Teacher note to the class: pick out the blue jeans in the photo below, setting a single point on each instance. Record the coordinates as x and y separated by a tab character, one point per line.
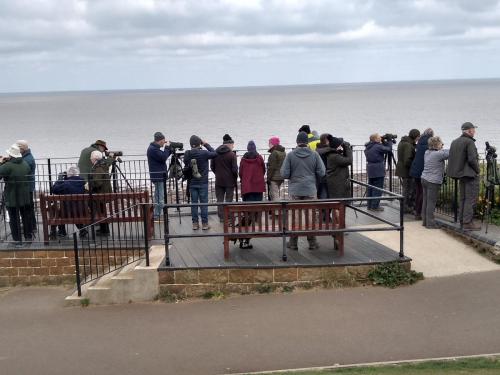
377	182
159	198
199	194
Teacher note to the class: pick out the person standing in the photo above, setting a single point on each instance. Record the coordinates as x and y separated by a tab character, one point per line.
84	163
406	154
196	161
15	172
463	164
28	158
100	183
432	178
417	166
375	151
158	152
303	168
312	139
225	168
277	155
323	149
337	168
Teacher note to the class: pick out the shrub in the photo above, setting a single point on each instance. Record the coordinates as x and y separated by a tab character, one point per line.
393	274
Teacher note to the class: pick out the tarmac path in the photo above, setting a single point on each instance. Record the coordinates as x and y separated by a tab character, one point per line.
438	317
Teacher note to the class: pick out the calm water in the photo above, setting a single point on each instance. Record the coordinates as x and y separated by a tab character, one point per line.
61	124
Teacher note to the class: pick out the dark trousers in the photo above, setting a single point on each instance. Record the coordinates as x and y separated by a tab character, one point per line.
409	194
15	223
467	200
430	193
377	182
32	209
223	194
418	196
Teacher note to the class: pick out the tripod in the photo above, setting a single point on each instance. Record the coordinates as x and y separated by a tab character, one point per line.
492	180
115	169
175	173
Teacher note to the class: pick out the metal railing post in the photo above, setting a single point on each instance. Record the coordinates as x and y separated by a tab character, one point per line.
49	171
455	200
77	265
146	234
284	217
401	230
166	230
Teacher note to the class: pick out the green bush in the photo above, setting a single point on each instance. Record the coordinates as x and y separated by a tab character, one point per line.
393	274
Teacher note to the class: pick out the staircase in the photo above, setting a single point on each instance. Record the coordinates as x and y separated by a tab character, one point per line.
133	283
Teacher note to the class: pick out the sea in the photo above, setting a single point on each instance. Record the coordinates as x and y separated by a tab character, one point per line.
60	124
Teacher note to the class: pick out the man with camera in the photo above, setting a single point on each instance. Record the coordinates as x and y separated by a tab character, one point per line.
406	154
158	153
375	152
100	183
463	164
84	163
15	172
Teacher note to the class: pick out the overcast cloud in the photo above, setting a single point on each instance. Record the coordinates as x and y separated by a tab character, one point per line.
110	44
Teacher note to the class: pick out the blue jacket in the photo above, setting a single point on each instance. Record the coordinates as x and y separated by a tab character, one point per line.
72	185
157	162
417	166
28	158
375	153
202	157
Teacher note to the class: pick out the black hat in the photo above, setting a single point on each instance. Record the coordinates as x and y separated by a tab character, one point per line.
159	136
305	128
414	133
468	125
195	141
302	138
335	142
227	139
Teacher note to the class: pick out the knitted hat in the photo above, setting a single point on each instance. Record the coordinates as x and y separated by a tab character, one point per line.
335	142
414	133
159	136
195	141
302	138
227	139
251	147
305	128
274	141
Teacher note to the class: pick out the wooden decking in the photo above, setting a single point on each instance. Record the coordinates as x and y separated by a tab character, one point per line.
207	252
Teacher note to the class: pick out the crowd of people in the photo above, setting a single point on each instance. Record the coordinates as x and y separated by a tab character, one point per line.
317	168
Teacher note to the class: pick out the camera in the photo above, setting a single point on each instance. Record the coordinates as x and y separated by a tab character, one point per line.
113	154
62	176
176	146
491	151
388	137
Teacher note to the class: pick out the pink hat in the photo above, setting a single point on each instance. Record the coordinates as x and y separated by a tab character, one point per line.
274	141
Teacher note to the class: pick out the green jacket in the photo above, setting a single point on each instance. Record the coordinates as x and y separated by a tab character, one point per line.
276	157
84	163
406	154
100	179
464	159
16	174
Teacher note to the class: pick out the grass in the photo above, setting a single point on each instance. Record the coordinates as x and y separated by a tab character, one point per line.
393	274
473	366
84	302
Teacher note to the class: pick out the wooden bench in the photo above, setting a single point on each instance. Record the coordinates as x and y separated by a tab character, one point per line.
77	209
266	220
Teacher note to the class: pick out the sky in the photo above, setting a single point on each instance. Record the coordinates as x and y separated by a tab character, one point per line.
54	45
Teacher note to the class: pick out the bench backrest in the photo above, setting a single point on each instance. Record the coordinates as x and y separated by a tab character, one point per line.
255	218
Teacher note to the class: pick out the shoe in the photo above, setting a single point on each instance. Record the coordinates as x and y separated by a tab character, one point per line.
18	245
196	226
379	209
83	234
292	245
313	245
205	226
471	226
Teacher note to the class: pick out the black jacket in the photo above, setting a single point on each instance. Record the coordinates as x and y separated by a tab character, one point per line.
225	167
464	159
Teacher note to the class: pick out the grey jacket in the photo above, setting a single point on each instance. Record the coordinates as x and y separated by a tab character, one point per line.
434	165
303	167
464	160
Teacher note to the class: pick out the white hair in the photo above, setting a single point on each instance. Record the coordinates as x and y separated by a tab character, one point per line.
22	144
96	155
73	171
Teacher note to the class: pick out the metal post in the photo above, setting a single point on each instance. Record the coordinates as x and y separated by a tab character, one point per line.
455	200
401	224
284	216
166	229
77	265
49	170
146	234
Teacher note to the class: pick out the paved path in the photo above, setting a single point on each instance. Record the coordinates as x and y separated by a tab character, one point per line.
438	317
435	252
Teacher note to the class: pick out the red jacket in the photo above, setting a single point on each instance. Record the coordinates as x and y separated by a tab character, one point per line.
252	171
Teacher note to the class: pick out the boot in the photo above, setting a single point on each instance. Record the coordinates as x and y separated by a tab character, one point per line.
292	244
313	243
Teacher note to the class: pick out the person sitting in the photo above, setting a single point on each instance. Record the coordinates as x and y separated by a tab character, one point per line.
375	152
69	183
432	178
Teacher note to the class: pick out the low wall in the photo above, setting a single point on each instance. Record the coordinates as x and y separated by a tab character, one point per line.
197	282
